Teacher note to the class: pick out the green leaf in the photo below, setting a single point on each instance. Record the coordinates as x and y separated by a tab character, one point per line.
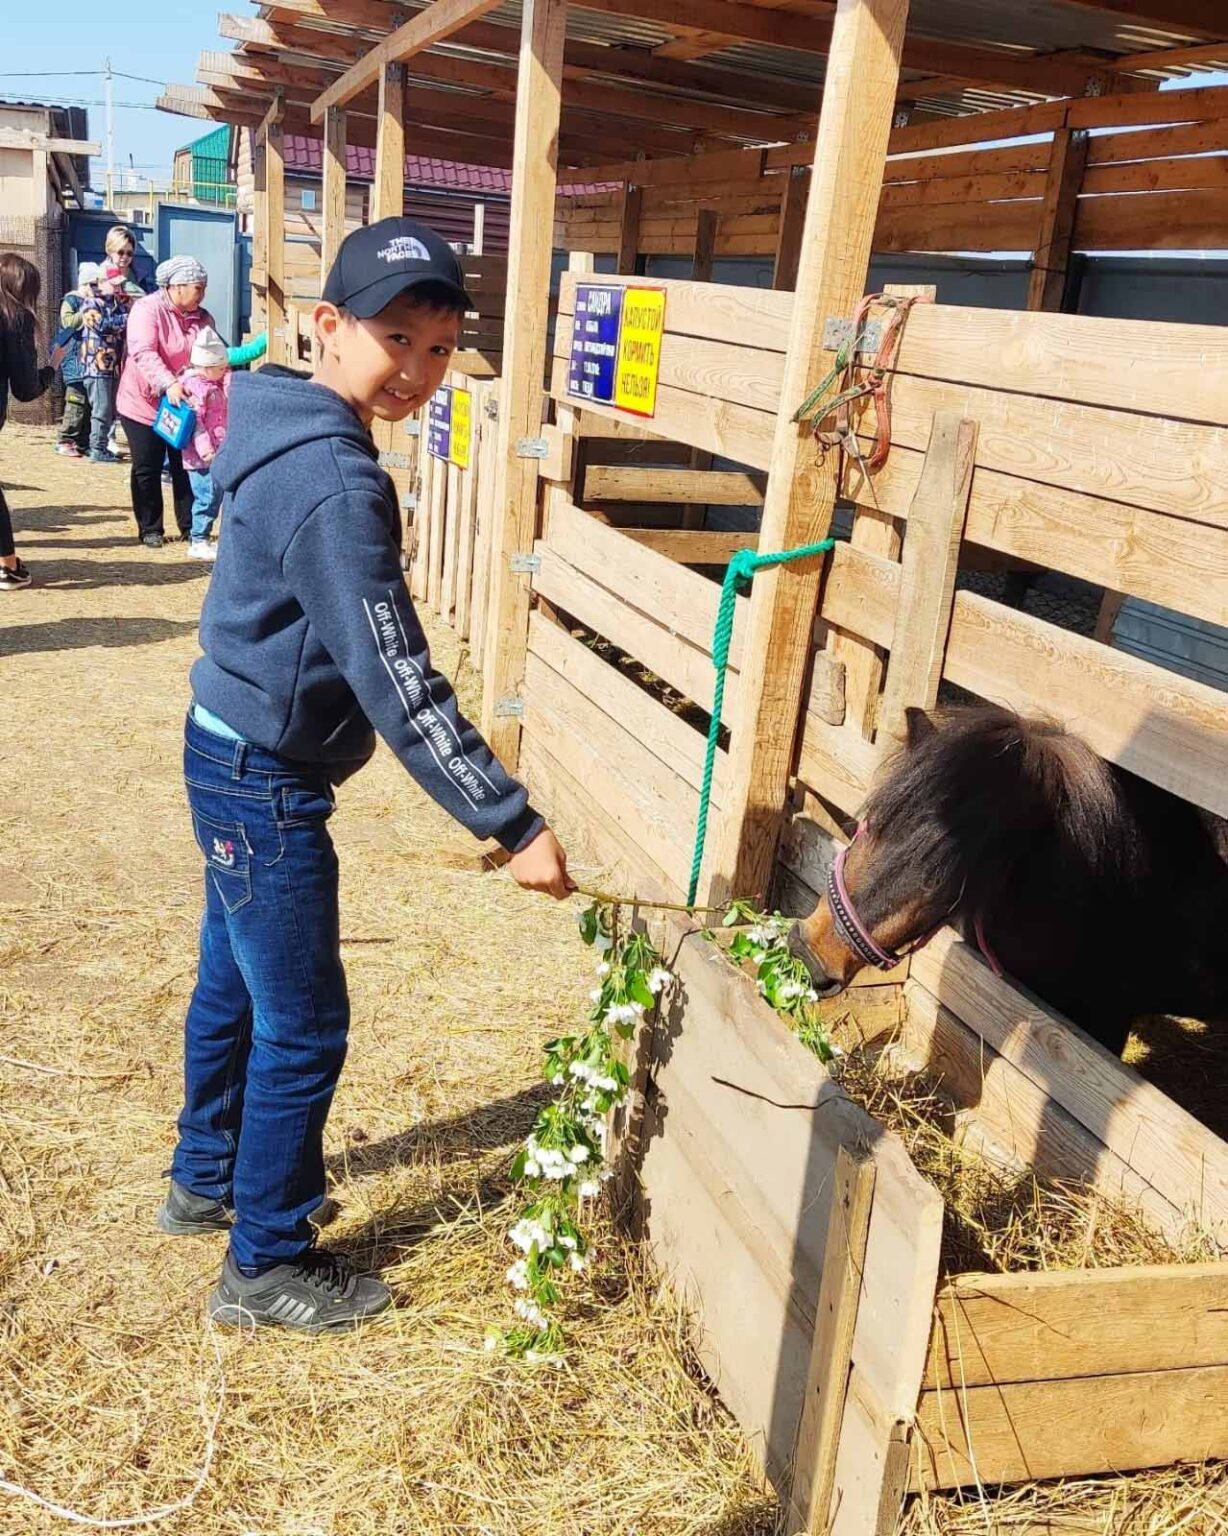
589	926
639	992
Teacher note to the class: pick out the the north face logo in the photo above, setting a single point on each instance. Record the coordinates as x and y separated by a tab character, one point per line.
404	248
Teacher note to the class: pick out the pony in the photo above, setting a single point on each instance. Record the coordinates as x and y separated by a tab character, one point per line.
1101	893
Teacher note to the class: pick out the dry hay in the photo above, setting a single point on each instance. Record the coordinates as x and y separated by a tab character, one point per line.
456	977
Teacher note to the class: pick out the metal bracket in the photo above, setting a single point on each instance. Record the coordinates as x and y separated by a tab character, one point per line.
490	409
838	333
409	502
532	447
509	707
525	565
394	460
413	427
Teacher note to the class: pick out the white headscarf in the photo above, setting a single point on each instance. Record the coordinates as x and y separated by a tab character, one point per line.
180	269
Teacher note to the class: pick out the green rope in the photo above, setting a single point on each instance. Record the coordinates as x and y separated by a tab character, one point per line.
738	577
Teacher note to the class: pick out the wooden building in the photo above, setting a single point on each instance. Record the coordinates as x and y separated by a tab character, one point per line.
44	170
818	132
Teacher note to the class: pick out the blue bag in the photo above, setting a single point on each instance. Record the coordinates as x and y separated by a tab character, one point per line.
174	423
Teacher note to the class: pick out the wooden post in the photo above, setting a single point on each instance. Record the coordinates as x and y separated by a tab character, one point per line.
863	70
525	340
629	227
275	215
701	272
927	578
1051	259
388	192
260	237
792	218
334	190
479	228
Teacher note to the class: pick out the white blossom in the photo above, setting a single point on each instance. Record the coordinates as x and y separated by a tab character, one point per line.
595	994
531	1312
589	1190
532	1168
577	1154
624	1013
603	968
518	1275
659	978
577	1261
567	1241
491	1343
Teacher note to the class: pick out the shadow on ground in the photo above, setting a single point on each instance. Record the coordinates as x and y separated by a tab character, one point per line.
79	634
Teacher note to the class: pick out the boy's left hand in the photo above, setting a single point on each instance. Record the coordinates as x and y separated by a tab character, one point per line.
542	866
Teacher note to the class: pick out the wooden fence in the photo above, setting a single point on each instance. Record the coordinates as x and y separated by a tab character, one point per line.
1161	187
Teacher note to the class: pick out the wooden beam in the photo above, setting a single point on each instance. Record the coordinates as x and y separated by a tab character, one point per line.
1172	58
281	349
388	191
14	138
1193	18
525	344
850	152
333	190
629	227
1051	259
792	217
437	22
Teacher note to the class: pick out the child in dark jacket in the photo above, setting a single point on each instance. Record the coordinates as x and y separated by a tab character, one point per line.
105	317
20	373
311	645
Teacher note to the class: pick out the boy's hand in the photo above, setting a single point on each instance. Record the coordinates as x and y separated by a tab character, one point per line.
542	866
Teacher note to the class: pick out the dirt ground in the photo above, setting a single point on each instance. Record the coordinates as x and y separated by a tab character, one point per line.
107	1377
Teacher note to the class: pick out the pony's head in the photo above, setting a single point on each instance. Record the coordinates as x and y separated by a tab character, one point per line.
978	805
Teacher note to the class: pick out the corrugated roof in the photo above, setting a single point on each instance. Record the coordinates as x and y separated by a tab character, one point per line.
305	155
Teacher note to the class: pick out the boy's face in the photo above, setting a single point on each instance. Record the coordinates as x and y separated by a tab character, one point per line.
389	366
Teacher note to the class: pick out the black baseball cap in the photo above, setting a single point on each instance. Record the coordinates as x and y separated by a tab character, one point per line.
380	261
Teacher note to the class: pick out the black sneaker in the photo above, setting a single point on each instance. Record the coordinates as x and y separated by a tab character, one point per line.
185	1214
13	580
316	1293
152	540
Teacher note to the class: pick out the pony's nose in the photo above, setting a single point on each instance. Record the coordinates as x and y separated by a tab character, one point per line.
824	984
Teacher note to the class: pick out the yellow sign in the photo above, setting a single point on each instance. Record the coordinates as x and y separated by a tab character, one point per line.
639	350
462	428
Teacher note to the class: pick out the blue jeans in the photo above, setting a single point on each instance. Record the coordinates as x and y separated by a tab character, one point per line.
206	499
265	1035
101	392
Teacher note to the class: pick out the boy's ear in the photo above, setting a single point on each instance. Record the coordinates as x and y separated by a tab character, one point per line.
328	320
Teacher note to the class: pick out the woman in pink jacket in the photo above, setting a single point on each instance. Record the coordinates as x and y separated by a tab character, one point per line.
161	330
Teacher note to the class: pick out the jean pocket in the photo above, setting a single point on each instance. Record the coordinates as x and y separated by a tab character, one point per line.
227	858
297	805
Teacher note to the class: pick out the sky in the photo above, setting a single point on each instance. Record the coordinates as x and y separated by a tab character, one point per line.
158	41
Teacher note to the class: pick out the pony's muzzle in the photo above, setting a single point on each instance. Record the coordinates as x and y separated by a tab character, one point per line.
824	984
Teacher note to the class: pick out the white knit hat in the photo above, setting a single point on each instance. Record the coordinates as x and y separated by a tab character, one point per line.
180	269
88	272
208	349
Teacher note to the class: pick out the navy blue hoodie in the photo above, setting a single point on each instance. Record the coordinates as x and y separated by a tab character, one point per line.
308	633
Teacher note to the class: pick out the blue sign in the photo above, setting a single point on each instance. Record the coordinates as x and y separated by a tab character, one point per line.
439	423
594	341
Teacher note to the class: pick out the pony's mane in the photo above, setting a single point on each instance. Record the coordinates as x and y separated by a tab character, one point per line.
982	797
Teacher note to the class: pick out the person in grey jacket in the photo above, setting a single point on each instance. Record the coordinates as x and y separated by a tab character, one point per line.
311	646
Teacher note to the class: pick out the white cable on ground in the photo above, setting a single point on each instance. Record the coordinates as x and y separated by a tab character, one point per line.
165	1511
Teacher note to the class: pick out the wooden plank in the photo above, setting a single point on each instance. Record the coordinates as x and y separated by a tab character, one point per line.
968	164
388	190
734	431
793	197
433	25
663	733
683	666
467	534
720	488
715	311
1009	1120
1186	1163
1100	1322
692	546
978	227
851	146
878	536
19	138
844	1257
1185	173
927	577
1164	221
1166	560
629	226
1152	143
334	188
962	189
451	545
526	338
682	601
836	761
275	215
1195	105
438	531
1051	258
653	804
485	393
422	517
1046	1429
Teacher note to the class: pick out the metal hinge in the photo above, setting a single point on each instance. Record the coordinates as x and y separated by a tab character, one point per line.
525	565
838	333
394	460
509	707
532	447
491	409
413	427
409	502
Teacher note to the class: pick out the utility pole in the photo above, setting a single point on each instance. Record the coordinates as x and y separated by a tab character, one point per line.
109	98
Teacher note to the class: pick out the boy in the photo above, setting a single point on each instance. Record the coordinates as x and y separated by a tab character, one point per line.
309	641
105	320
74	439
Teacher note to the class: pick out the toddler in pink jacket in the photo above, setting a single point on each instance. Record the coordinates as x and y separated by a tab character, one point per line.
206	388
